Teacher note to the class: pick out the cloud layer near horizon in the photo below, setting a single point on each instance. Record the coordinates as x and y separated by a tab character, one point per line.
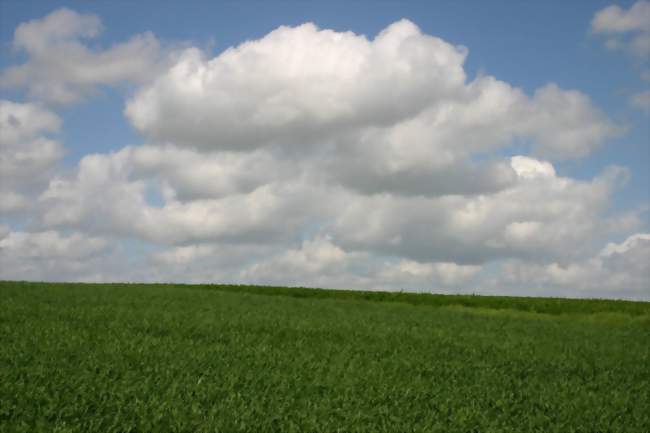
312	157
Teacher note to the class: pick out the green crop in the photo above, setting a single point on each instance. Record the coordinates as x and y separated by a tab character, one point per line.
147	358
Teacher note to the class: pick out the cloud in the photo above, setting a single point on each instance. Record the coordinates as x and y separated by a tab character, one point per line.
108	194
566	125
60	68
321	262
28	155
628	30
316	261
541	216
625	29
187	175
296	84
301	89
622	268
308	157
613	19
52	255
205	262
416	276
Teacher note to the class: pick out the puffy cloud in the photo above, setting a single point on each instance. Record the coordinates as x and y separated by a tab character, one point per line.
321	262
27	154
542	215
529	168
303	89
431	153
617	23
297	84
317	262
613	19
628	30
416	276
205	262
21	122
187	175
109	194
49	244
628	244
52	255
619	270
61	69
309	157
566	125
61	25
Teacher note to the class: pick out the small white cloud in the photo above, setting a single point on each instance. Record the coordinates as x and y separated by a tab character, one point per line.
530	168
628	244
60	68
613	19
60	25
626	29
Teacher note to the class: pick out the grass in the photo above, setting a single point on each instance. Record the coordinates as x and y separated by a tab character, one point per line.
141	358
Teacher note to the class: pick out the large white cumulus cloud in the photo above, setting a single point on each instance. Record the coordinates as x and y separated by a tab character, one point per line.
298	84
319	158
302	86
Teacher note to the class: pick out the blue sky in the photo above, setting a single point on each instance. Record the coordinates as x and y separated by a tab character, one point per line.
524	44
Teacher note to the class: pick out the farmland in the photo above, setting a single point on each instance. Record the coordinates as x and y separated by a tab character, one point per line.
140	358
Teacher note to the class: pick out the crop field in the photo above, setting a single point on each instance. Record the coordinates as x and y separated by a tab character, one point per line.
181	358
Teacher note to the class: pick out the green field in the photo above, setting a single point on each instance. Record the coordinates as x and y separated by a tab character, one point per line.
145	358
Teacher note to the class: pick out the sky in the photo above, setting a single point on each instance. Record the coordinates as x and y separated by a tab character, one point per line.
496	148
